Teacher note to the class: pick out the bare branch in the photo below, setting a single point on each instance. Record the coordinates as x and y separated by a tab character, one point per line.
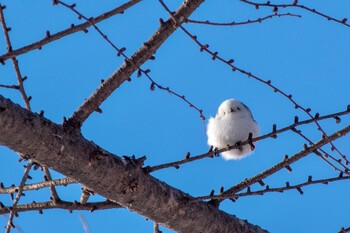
233	23
16	87
295	5
156	228
290	187
70	206
273	134
81	27
286	162
40	185
48	177
215	56
20	79
130	66
19	194
120	52
326	155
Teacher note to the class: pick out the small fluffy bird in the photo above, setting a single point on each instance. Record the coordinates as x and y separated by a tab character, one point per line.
232	125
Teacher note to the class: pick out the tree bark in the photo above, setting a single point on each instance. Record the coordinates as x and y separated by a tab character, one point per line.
119	179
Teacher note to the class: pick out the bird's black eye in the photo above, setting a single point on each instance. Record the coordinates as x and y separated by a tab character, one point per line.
238	109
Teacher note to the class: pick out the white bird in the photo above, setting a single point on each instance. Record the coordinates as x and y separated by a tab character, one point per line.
232	125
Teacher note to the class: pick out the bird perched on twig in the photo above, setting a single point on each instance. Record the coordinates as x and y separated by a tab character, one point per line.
232	125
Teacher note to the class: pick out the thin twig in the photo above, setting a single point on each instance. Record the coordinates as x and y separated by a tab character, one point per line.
84	223
20	79
326	155
40	185
90	206
295	5
259	20
19	194
48	177
16	87
287	187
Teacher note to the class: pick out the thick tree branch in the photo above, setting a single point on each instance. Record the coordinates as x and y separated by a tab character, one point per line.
118	179
133	64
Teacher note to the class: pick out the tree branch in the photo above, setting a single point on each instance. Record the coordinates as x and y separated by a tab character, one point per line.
188	158
296	5
215	56
71	30
286	162
291	187
20	79
91	206
36	186
249	21
118	179
131	65
19	194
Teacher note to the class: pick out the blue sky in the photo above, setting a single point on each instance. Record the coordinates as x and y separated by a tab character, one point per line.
306	57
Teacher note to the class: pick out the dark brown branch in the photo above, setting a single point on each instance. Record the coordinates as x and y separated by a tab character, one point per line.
19	195
326	155
14	60
53	191
290	187
276	6
250	75
130	66
215	56
177	163
156	228
39	44
211	153
16	87
120	52
259	20
153	83
286	162
344	230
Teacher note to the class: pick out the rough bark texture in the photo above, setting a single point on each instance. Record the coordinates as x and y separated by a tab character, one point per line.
115	178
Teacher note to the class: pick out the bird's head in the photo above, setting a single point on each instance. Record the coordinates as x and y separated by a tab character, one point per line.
232	106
